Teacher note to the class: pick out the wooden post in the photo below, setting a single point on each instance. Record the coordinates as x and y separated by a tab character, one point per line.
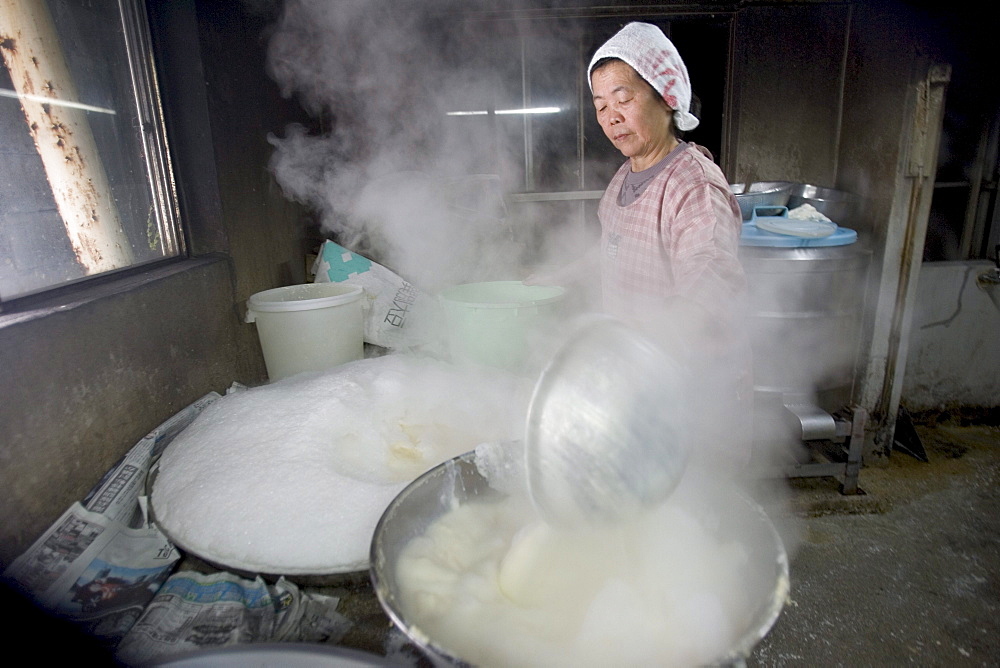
33	56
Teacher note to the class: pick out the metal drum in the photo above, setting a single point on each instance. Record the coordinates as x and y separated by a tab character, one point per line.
804	320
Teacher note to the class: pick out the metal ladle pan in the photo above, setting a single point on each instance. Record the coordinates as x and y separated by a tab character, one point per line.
605	435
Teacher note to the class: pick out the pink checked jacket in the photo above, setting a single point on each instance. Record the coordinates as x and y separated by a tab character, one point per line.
678	243
679	239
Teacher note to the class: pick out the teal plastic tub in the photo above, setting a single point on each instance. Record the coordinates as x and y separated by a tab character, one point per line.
499	323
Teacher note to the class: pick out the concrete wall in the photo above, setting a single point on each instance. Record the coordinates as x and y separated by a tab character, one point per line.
954	352
83	381
86	376
787	85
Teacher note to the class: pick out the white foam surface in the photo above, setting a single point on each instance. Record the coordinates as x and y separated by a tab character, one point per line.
292	477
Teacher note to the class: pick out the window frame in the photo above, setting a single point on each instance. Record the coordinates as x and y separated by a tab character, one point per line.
160	179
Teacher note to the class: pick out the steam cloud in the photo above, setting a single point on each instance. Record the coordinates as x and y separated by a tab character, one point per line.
390	174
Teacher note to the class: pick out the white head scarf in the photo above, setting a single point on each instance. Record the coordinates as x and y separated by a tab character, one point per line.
648	51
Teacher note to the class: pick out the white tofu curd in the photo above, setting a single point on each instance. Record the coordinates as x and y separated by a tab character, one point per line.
495	586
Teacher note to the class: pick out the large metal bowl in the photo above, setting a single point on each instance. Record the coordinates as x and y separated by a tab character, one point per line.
837	205
760	193
458	481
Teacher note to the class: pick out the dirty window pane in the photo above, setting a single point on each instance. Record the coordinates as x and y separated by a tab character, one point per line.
84	184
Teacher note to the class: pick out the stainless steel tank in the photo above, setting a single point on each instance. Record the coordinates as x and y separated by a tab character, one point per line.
805	315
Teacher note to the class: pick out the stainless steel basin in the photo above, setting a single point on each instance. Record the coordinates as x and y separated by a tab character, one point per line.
458	481
761	193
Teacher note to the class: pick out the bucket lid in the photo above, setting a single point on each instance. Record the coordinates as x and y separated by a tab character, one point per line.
502	294
304	297
752	235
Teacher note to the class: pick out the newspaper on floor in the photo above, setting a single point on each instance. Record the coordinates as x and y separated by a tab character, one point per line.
101	562
117	495
194	610
94	571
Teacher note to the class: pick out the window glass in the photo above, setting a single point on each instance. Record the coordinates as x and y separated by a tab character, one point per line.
529	117
84	179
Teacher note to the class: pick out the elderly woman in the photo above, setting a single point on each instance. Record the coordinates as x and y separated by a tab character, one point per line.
670	229
670	225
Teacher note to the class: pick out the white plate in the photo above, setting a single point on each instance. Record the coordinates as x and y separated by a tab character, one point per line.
810	229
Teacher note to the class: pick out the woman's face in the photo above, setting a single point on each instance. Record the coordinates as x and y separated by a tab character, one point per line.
636	120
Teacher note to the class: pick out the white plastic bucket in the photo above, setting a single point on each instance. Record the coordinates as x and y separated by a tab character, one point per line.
498	323
308	327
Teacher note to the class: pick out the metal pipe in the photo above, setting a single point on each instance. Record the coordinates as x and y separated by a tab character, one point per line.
31	51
